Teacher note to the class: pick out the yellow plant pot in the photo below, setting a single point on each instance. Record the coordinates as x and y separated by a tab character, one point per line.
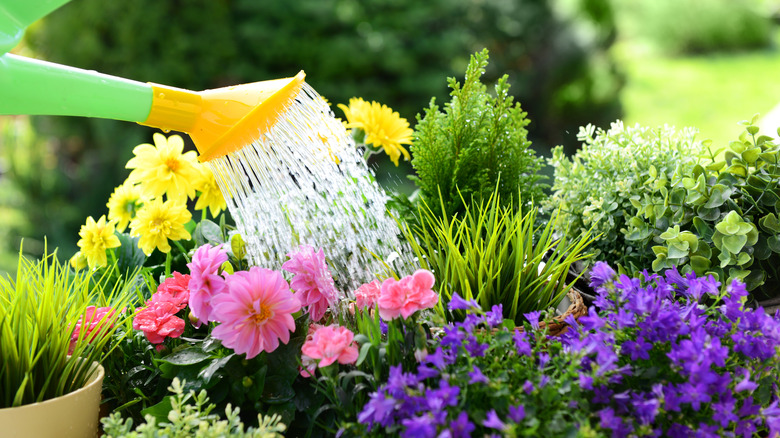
74	415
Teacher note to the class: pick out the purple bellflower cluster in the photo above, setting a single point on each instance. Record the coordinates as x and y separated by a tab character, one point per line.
666	355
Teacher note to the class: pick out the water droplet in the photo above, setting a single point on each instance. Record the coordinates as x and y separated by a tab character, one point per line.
161	95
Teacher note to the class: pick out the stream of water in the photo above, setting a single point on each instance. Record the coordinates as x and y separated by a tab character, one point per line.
304	182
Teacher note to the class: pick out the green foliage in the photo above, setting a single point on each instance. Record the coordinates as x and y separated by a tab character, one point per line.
185	419
478	144
604	185
39	313
703	26
496	255
719	217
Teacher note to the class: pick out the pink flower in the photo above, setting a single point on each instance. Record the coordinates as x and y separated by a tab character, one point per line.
93	321
312	283
407	295
256	312
205	284
158	321
308	364
367	295
330	344
174	290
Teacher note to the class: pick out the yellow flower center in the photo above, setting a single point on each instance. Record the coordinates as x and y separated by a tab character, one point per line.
173	164
160	225
262	315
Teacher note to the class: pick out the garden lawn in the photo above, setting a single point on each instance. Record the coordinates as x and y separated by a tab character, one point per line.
712	93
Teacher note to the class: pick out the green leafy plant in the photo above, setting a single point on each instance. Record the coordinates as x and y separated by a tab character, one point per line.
497	255
719	217
604	185
478	144
190	415
49	338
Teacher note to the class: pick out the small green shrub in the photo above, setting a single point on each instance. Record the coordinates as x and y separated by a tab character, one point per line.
719	217
476	145
192	420
496	254
702	26
599	188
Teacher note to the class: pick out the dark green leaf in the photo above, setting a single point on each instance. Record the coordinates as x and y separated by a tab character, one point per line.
129	255
213	367
208	232
188	356
719	194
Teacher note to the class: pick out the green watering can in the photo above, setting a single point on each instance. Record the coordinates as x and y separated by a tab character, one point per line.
219	121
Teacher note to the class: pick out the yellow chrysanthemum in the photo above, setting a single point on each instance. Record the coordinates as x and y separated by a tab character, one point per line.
164	169
123	204
383	127
158	221
210	195
78	261
96	238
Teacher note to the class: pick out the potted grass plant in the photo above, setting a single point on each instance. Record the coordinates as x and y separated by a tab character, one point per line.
54	329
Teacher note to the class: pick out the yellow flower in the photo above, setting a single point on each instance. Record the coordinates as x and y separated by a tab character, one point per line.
383	126
158	221
164	169
78	261
210	195
96	238
123	204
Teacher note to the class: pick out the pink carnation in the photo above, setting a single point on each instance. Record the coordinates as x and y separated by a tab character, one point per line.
205	284
312	283
92	323
174	290
406	296
158	321
367	295
330	344
256	312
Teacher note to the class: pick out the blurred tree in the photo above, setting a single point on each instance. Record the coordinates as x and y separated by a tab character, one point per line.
398	52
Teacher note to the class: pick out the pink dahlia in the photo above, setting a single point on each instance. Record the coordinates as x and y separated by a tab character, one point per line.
367	295
407	295
175	290
158	321
308	364
331	344
93	321
205	283
256	312
312	281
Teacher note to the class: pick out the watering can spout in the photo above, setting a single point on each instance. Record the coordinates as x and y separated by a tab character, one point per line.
219	121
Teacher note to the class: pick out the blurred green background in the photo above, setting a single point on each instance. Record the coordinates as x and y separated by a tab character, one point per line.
703	63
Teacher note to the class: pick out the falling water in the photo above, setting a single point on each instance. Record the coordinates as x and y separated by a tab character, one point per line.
304	182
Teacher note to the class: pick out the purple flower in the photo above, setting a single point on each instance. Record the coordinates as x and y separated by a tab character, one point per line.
453	337
638	349
458	303
521	343
528	387
745	384
461	427
600	273
419	426
476	376
475	348
378	410
517	413
492	421
383	327
694	395
592	321
533	318
495	316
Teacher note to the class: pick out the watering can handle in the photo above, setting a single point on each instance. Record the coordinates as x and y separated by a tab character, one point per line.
35	87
